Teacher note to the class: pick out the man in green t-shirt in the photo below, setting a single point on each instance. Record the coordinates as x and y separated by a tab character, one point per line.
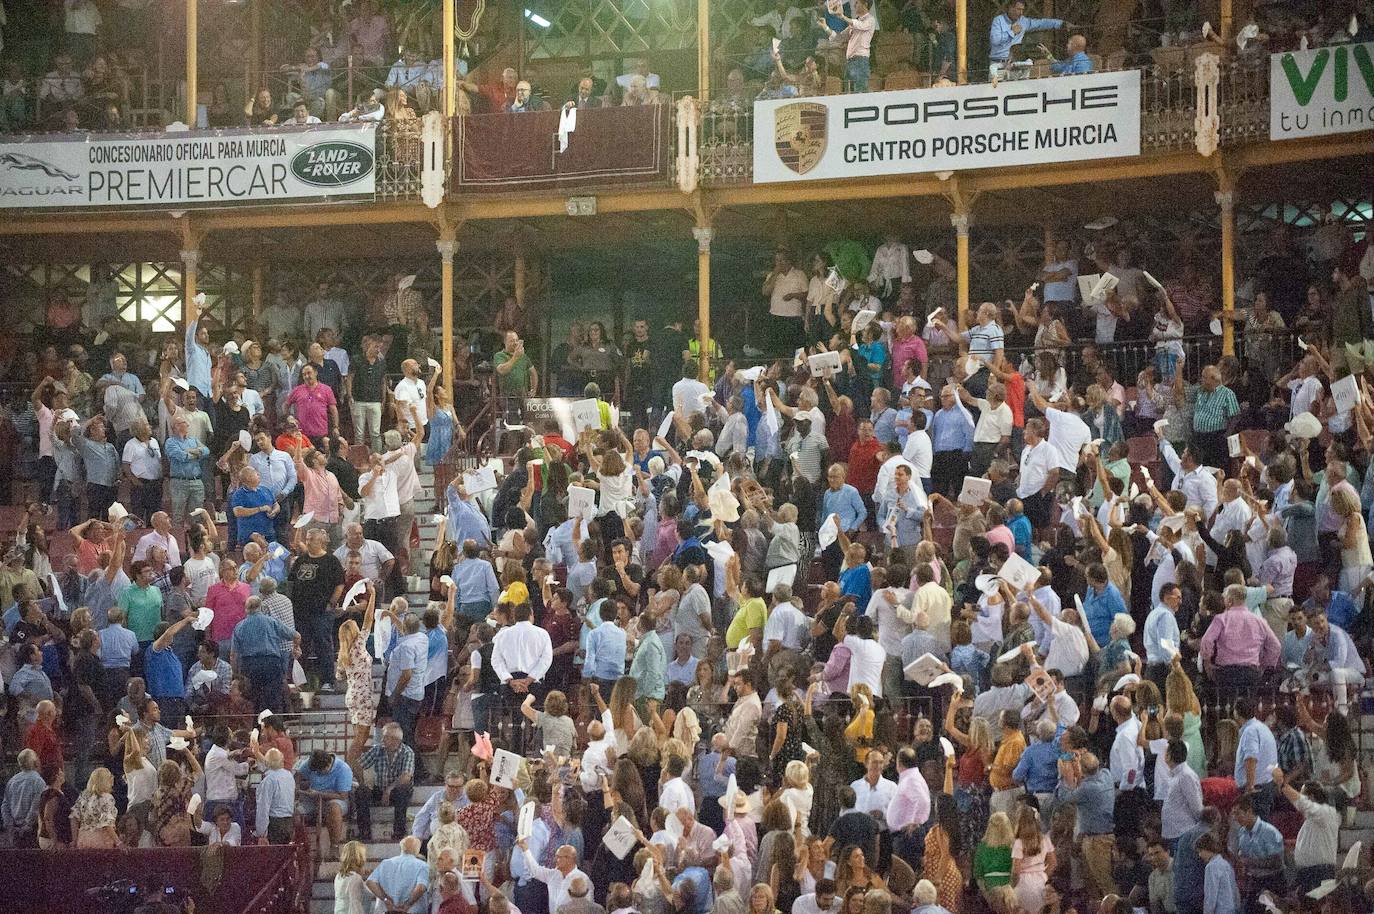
515	373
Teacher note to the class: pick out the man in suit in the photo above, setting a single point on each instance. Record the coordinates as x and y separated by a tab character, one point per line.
584	98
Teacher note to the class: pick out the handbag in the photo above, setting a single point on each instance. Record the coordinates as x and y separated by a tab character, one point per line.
429	732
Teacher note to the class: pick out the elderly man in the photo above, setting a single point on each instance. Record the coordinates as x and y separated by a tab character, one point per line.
401	883
557	877
377	560
516	375
255	651
160	535
393	765
142	460
405	674
951	442
1238	645
20	809
1009	29
276	795
184	456
253	506
399	459
1215	406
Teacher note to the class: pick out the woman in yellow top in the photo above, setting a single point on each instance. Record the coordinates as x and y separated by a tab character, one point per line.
859	733
752	613
1004	762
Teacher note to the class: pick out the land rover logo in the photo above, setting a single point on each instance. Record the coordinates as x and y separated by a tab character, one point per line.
332	164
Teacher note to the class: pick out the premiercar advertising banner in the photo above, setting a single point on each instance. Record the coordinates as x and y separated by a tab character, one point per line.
1321	91
190	168
1022	122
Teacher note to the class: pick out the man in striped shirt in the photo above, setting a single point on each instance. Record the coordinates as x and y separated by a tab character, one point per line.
1215	406
985	341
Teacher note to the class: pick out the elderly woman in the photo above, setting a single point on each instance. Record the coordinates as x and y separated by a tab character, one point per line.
170	820
94	813
448	836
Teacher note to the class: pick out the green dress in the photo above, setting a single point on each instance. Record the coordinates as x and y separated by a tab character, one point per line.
991	866
1192	735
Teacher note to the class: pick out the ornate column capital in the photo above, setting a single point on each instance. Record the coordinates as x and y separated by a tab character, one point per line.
446	250
1226	199
703	235
960	221
191	258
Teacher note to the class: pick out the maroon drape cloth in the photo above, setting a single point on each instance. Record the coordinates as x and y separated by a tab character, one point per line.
611	146
56	882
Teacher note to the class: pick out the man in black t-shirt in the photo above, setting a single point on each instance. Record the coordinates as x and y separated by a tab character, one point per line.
82	712
365	390
316	591
639	374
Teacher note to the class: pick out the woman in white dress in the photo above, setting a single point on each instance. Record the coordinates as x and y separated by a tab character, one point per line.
350	890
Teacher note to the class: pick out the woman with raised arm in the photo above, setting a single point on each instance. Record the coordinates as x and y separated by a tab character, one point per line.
355	663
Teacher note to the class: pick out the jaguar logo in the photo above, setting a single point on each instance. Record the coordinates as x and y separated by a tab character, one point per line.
799	132
20	162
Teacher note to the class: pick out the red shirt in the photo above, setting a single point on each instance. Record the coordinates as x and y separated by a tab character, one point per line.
562	629
863	465
840	432
1016	398
567	447
498	97
43	741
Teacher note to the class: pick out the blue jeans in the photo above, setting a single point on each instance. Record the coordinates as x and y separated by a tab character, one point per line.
856	74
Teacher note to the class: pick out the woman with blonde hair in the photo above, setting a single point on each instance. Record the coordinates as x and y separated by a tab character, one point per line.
798	794
351	895
992	857
1356	560
140	776
1032	860
972	790
355	664
94	813
761	900
448	835
859	733
1180	699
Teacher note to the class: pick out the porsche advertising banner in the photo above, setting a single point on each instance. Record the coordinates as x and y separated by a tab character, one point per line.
909	131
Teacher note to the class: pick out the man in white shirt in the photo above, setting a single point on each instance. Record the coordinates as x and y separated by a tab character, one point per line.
377	560
866	656
822	901
873	792
1039	474
689	394
378	490
1235	514
1197	482
1127	761
918	451
558	877
785	287
787	625
521	654
742	726
675	794
1315	852
1068	652
410	394
160	535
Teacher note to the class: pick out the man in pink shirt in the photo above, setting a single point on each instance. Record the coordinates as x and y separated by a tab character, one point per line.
1239	645
906	345
909	807
315	407
859	31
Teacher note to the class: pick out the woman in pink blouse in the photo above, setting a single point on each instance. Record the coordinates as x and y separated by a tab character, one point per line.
227	597
323	497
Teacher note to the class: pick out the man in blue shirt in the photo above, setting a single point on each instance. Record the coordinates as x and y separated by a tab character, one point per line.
1259	846
1038	768
197	347
1008	30
951	441
325	781
276	471
400	882
184	455
253	506
1161	625
842	500
1101	603
604	660
1078	62
1340	609
1256	755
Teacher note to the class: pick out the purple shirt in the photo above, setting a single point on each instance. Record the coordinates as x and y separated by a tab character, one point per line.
903	351
1238	637
312	408
911	803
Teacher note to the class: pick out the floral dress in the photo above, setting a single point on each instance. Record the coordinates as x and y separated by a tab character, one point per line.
94	812
790	713
359	699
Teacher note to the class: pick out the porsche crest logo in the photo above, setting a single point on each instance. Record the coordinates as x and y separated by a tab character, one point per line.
799	135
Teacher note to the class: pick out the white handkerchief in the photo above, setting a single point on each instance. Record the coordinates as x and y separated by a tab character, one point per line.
192	806
1233	445
581	502
1215	326
924	669
1019	573
828	533
923	257
205	616
567	124
947	746
304	520
784	574
1009	656
406	282
354	593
